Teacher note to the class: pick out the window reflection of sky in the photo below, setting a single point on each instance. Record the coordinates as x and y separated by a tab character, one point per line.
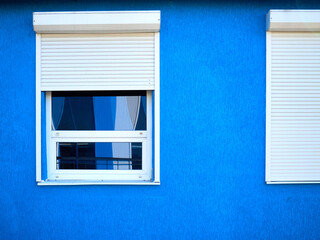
92	111
122	113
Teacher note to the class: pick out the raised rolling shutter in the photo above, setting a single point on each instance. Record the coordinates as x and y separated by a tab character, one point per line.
97	61
293	107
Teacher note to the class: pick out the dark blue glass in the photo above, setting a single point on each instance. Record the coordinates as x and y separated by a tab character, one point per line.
117	110
99	155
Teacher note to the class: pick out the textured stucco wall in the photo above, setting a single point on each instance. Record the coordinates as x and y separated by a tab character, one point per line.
212	136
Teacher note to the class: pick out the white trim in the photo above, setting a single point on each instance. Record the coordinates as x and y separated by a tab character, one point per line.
307	182
149	132
96	175
51	158
79	183
99	134
48	130
293	20
96	12
100	139
268	103
94	88
38	108
157	109
96	22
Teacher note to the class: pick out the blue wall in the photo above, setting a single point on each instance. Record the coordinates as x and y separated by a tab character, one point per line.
212	136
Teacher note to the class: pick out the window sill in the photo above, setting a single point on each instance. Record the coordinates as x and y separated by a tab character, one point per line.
79	183
301	182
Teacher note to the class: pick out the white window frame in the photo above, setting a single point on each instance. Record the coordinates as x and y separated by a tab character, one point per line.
150	139
55	136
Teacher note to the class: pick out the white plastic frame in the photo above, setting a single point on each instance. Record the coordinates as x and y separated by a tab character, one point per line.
98	175
100	136
53	137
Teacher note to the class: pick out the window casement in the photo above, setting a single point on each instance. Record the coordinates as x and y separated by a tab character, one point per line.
97	98
293	96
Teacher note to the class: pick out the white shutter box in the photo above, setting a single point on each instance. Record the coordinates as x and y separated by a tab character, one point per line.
97	61
293	20
96	22
293	107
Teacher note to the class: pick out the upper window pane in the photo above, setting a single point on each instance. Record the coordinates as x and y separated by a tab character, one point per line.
117	110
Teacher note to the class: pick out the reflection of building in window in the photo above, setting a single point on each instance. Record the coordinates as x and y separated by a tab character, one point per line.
99	111
84	156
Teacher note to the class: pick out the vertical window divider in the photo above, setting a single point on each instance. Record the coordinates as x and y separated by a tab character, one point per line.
50	144
149	129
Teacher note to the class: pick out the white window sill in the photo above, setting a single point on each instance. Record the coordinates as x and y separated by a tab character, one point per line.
79	183
310	182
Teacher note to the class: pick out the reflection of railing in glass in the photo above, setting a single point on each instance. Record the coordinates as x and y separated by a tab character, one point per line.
84	156
109	163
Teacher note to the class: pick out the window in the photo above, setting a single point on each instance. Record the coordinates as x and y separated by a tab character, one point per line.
90	132
293	97
98	96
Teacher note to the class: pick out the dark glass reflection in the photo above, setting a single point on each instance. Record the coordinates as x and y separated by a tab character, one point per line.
117	110
101	156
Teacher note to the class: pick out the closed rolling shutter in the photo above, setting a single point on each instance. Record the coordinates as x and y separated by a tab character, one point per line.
293	107
97	61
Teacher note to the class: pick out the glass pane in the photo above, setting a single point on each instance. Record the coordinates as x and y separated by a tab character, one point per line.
117	110
100	156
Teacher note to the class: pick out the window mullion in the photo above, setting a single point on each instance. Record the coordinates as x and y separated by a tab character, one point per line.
99	134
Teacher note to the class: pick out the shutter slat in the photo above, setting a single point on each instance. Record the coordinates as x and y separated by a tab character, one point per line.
76	44
295	54
119	58
93	50
128	67
95	71
91	54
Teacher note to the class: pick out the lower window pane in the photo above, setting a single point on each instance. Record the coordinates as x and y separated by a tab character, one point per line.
100	156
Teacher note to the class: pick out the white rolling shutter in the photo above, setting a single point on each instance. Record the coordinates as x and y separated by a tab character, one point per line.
293	107
97	61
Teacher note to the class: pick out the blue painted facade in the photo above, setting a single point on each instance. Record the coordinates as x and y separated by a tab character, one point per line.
212	136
